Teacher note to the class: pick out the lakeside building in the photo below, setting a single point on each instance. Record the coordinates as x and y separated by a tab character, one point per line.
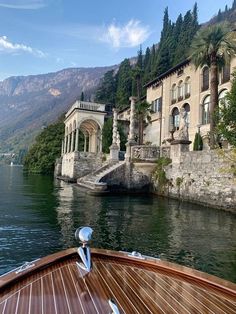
183	86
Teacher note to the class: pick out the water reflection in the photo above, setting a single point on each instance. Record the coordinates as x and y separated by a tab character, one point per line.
65	216
39	216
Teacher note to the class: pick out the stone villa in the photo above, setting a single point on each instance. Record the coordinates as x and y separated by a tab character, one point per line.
195	176
181	87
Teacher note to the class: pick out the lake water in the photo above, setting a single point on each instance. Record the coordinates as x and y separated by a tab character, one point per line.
39	216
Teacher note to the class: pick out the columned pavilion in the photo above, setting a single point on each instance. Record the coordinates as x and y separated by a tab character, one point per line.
83	136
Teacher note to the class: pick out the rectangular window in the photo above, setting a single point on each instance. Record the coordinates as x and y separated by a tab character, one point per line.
156	105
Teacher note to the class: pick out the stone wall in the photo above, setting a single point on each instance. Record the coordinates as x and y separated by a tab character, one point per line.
201	177
130	177
76	164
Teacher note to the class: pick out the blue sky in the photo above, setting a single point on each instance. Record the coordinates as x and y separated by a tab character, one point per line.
41	36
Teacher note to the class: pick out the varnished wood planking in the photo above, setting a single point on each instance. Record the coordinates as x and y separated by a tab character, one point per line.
99	296
73	296
124	303
199	295
154	294
11	304
136	287
23	306
123	285
85	298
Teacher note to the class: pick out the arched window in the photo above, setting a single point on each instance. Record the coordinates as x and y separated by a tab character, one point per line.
187	109
205	110
175	118
173	94
221	98
180	91
205	78
225	73
187	87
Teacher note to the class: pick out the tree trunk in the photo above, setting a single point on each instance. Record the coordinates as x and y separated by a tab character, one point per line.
140	129
214	108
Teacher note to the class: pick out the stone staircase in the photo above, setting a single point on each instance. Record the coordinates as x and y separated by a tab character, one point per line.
93	180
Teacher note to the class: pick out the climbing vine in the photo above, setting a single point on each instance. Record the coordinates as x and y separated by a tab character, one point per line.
159	173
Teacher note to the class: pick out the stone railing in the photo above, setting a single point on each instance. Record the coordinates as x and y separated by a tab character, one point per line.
145	152
85	105
165	151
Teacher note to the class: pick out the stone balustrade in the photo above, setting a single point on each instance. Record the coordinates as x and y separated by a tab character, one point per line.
145	152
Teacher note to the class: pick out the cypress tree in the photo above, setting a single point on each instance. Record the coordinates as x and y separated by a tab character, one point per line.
107	88
124	84
219	16
198	143
82	96
147	66
234	5
138	75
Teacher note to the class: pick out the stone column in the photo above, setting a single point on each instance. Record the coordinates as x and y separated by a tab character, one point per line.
114	149
77	140
96	141
89	142
65	143
99	141
131	141
62	147
85	142
72	142
68	143
118	139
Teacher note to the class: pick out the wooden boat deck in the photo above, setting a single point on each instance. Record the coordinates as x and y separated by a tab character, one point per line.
56	285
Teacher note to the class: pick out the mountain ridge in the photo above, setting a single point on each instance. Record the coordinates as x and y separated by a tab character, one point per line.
28	103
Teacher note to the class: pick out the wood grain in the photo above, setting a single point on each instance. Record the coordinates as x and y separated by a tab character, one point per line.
58	286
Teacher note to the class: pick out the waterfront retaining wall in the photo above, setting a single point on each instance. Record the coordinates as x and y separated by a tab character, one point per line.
75	164
202	177
130	177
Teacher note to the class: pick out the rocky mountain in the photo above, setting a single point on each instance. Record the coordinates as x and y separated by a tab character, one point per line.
28	103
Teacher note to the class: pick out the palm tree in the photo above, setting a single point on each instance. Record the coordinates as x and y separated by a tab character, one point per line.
213	46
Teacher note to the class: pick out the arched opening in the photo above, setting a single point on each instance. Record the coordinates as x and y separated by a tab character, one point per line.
173	93
174	119
225	73
90	137
187	109
206	110
222	96
187	91
180	91
205	78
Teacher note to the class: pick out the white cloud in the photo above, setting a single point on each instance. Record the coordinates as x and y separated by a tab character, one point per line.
8	47
130	35
23	4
